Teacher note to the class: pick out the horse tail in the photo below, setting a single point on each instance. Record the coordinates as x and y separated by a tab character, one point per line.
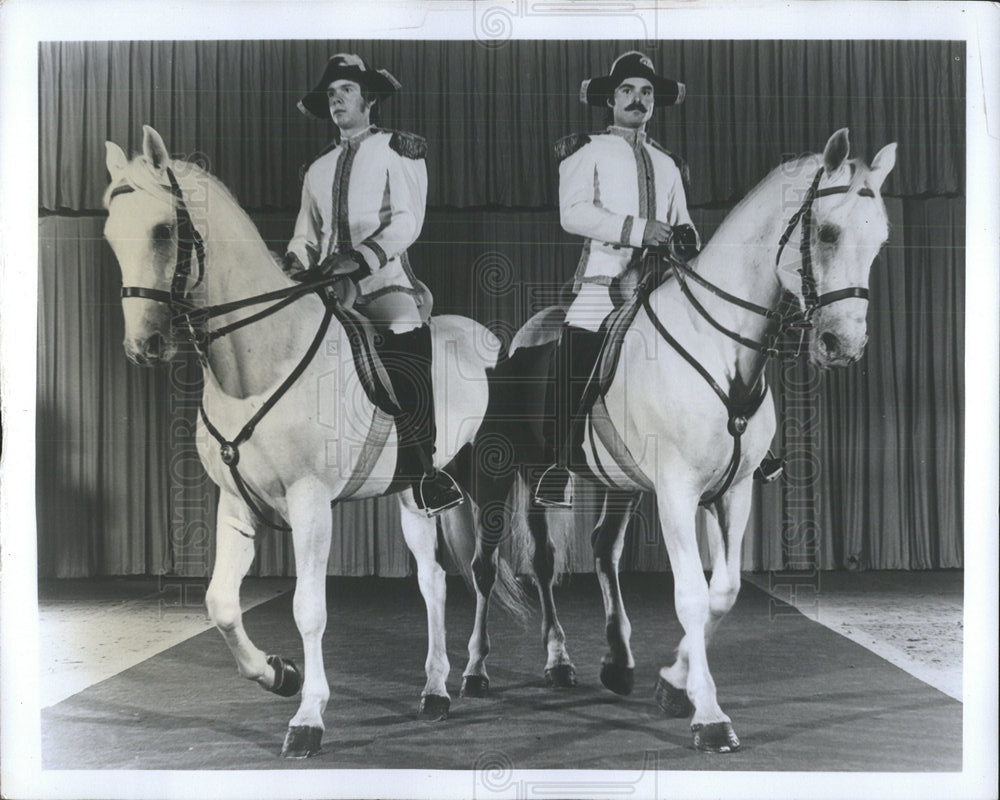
559	527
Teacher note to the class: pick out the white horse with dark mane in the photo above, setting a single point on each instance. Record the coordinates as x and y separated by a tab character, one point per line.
285	425
686	413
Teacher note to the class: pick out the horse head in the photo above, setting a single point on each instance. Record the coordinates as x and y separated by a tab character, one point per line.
145	231
843	228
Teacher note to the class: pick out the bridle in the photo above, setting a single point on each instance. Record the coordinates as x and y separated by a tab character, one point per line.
813	301
787	316
189	243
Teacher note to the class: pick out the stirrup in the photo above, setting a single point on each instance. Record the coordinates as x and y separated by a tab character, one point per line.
436	492
550	491
770	469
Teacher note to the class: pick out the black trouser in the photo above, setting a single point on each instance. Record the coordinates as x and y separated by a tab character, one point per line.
572	364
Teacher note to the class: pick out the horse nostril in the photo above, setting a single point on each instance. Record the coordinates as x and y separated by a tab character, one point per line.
154	346
829	341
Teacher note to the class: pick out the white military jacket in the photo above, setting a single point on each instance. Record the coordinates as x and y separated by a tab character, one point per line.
366	194
610	184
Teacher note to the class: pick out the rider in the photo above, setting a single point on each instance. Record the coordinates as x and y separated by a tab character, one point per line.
363	203
622	192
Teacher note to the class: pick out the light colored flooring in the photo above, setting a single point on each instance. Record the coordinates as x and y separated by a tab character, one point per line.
91	630
911	619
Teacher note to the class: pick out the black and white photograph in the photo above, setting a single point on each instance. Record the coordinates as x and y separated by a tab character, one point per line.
499	399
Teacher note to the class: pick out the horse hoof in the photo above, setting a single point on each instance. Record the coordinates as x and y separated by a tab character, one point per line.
433	708
301	741
715	737
673	702
287	678
475	686
561	676
617	678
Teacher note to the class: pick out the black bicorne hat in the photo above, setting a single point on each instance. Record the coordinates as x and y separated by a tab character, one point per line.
349	67
633	64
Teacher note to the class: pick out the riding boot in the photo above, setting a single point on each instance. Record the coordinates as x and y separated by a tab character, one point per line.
569	381
407	360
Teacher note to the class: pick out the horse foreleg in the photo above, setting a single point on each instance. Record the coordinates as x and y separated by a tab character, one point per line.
420	533
309	516
608	539
234	553
711	726
559	669
726	545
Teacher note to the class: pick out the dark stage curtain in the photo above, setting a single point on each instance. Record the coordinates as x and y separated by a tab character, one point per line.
880	482
491	114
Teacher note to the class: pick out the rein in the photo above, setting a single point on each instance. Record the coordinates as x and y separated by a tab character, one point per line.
786	317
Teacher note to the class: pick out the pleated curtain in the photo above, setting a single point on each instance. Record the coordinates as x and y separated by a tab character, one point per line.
119	487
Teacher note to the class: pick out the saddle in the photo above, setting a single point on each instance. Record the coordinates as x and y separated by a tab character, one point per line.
362	336
627	292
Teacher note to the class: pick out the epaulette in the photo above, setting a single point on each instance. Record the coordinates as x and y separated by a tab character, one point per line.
408	145
568	145
305	167
682	166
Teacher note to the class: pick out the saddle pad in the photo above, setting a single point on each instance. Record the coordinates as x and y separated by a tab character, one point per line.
371	372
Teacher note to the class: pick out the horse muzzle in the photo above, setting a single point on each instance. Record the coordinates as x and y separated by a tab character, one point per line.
154	349
832	349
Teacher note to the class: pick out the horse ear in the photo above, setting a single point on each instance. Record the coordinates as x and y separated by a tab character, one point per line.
882	164
115	159
153	148
836	151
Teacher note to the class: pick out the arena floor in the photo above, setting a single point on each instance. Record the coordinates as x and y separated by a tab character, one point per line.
864	675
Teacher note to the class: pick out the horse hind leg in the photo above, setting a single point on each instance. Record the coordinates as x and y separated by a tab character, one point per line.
235	529
608	540
490	492
420	533
559	669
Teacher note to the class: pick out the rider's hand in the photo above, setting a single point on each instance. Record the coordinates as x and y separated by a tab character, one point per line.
656	233
292	266
684	242
349	263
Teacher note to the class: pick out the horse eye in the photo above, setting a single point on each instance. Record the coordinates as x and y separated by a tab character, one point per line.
828	234
162	233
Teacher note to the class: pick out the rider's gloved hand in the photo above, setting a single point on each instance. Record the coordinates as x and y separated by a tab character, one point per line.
348	263
683	242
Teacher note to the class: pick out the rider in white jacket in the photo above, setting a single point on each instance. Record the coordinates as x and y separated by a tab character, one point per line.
363	204
622	192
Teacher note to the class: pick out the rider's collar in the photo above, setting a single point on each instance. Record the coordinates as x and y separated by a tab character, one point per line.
633	136
356	139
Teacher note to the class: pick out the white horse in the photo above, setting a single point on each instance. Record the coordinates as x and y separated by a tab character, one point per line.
687	414
285	427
